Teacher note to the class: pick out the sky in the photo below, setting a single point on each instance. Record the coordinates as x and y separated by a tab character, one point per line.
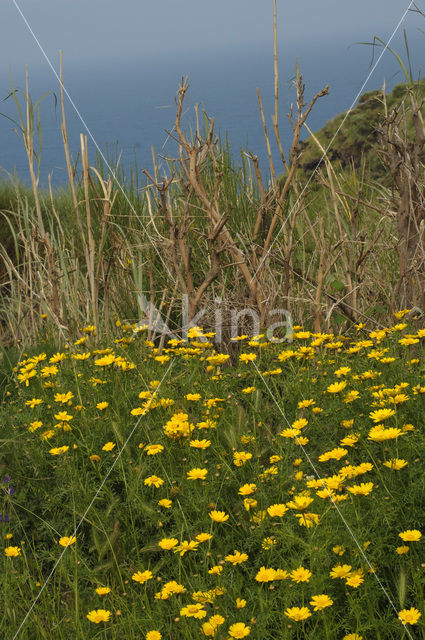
96	31
123	60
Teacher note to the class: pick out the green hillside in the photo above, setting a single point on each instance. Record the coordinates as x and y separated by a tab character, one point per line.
358	135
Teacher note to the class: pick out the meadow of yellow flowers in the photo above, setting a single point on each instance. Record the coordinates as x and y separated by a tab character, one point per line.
275	491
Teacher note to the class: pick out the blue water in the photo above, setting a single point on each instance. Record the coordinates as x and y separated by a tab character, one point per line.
128	105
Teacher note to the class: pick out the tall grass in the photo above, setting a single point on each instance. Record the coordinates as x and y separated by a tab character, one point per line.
208	226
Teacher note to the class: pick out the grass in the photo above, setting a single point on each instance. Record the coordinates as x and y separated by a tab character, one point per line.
80	429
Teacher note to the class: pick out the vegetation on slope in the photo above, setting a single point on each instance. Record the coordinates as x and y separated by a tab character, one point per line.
358	139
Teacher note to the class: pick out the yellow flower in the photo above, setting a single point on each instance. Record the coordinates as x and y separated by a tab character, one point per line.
153	480
411	535
200	444
193	396
300	575
218	516
239	630
339	549
142	577
336	387
247	357
12	552
340	571
57	358
379	434
342	371
362	489
153	449
403	549
168	543
334	454
24	376
63	397
89	329
277	510
249	503
99	615
108	446
353	636
248	390
36	424
289	433
408	340
186	545
395	463
102	591
268	543
240	457
153	635
57	451
169	589
265	575
203	537
299	424
165	503
197	474
208	630
216	570
305	403
409	616
307	519
400	314
381	414
349	441
354	580
300	502
320	602
298	613
351	396
240	603
63	416
194	611
219	358
236	558
105	361
216	620
94	458
247	489
66	542
102	405
49	371
46	435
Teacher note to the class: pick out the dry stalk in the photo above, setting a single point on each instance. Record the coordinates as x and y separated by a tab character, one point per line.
181	251
297	125
405	161
192	157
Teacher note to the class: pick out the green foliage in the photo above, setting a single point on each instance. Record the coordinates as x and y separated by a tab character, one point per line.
356	141
104	494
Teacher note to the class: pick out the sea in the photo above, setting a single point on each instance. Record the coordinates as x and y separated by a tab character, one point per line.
127	108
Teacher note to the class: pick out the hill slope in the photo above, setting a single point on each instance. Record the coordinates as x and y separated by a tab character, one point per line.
358	135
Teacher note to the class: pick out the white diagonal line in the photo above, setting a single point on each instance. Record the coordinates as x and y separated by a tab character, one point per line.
373	571
335	135
91	137
90	505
